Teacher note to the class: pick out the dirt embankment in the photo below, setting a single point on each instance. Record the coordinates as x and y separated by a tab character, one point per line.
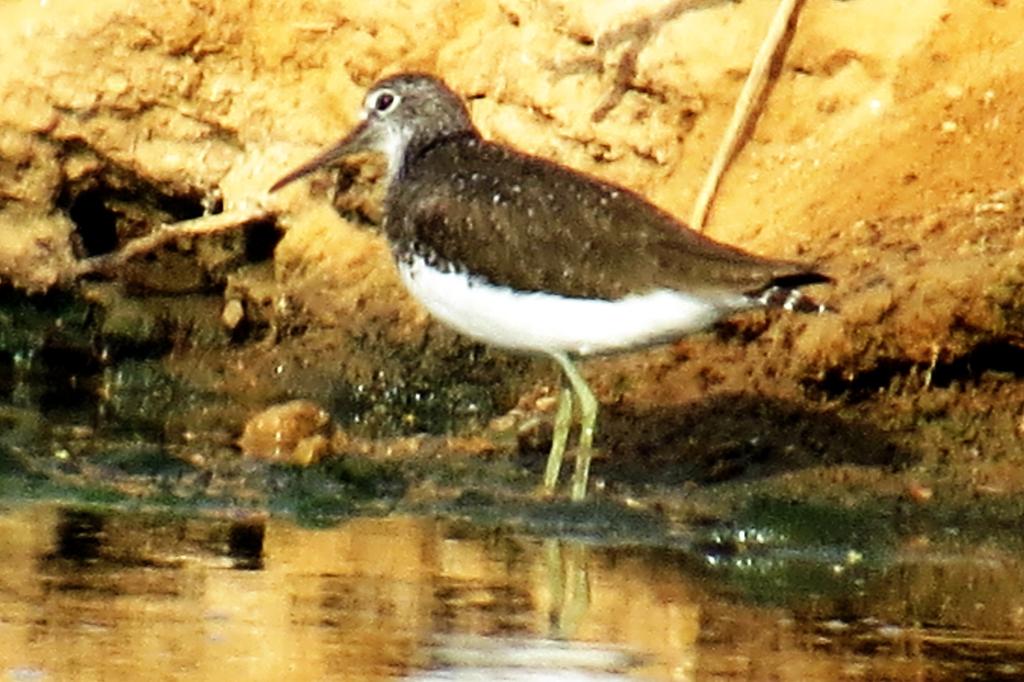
888	149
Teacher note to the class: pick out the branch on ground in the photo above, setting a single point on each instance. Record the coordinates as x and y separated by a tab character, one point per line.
167	233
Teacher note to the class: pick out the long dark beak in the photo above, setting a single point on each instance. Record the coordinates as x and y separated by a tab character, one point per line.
361	139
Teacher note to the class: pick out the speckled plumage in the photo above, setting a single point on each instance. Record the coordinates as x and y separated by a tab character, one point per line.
533	225
527	223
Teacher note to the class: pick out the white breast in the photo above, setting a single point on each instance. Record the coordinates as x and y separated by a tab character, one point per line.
540	322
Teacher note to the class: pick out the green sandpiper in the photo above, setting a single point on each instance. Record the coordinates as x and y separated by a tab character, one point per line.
526	254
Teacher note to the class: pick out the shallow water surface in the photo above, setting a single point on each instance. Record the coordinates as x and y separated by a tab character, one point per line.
101	594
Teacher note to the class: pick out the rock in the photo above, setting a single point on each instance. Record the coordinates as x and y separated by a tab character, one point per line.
295	432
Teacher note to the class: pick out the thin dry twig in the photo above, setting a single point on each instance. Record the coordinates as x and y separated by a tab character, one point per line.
744	109
635	35
164	234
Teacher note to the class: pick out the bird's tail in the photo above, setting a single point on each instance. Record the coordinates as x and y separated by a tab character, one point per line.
784	292
793	300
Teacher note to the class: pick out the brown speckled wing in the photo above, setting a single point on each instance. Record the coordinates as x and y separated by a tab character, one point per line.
534	225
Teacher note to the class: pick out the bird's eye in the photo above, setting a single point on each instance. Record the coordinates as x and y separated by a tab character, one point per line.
384	101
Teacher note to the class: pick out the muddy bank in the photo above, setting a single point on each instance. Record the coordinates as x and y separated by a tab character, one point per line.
887	150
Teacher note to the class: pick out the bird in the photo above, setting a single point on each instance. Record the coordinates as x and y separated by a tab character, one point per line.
525	254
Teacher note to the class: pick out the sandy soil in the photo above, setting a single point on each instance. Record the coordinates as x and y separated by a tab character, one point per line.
888	149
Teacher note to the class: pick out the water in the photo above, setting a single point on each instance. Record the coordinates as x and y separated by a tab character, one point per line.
93	594
137	544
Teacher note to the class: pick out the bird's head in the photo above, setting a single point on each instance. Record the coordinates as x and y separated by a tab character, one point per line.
401	116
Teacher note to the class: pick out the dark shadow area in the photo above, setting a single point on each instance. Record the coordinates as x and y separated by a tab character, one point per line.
997	356
245	543
78	536
114	206
30	321
100	543
67	379
95	223
261	239
8	374
731	437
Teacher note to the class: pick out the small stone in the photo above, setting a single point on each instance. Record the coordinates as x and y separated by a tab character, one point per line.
546	403
310	450
233	314
505	422
919	493
292	433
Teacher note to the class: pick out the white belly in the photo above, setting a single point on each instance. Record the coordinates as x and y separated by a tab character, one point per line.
540	322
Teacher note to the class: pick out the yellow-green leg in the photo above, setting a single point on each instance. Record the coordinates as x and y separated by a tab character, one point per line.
563	422
588	418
